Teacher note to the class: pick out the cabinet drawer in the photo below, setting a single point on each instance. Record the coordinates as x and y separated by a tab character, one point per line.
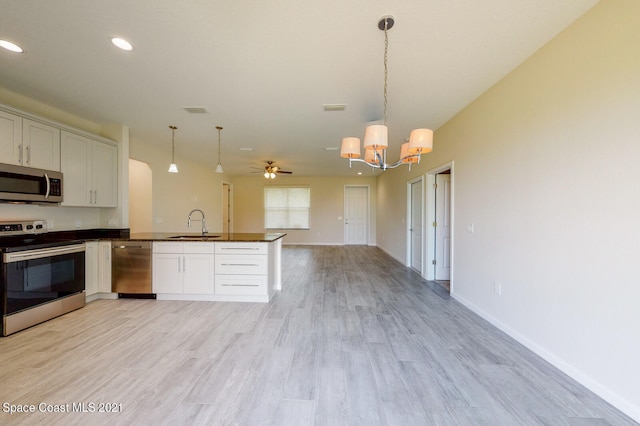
242	285
199	247
168	247
241	248
241	264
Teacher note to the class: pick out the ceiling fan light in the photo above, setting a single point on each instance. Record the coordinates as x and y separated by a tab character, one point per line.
272	175
376	137
420	141
350	148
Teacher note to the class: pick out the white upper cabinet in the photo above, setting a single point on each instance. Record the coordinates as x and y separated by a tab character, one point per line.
90	171
40	145
29	143
10	138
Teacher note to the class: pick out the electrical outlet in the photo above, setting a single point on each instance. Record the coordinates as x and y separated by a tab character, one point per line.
78	223
113	222
49	224
497	288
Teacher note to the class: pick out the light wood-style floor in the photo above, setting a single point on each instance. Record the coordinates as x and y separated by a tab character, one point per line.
354	338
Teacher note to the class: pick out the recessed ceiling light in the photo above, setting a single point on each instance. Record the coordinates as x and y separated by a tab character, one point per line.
121	43
330	148
334	107
359	173
11	46
246	149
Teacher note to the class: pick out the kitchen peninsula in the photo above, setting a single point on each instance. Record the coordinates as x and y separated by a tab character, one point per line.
239	267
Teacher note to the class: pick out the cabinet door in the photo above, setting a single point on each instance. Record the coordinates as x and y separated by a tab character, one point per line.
105	175
104	266
167	273
91	268
10	138
198	274
75	154
40	145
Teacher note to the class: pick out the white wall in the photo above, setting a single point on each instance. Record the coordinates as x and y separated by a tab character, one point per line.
546	168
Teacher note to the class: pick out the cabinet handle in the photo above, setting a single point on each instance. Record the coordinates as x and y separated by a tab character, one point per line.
95	196
29	154
240	264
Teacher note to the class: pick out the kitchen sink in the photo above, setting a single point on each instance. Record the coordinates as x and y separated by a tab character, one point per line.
194	237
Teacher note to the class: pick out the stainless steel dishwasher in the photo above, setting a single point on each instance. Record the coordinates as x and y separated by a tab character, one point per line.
131	269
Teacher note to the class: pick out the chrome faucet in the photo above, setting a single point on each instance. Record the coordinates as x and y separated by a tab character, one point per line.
204	222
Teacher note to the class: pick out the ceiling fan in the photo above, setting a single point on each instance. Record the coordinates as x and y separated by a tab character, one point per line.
270	170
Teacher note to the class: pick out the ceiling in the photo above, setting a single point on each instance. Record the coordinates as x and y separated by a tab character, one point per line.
264	69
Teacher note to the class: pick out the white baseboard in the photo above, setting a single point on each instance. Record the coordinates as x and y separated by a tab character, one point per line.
594	386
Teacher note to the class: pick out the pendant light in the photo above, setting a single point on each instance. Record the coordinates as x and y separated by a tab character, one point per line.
173	168
219	166
376	136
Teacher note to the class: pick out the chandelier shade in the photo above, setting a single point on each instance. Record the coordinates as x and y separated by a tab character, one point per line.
420	141
376	137
371	156
350	148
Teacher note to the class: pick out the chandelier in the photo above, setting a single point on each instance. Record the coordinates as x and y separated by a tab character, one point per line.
376	135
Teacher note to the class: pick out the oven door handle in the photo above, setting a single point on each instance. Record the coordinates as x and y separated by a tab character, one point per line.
41	253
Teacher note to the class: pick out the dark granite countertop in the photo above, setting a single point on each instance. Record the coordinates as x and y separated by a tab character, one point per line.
212	237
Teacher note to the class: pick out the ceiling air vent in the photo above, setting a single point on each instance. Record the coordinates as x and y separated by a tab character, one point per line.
196	110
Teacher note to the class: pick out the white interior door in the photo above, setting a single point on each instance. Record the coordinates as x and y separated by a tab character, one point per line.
356	214
415	225
443	227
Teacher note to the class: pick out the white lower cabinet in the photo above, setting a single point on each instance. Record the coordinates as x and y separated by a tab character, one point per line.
90	268
183	268
223	271
242	269
97	272
104	267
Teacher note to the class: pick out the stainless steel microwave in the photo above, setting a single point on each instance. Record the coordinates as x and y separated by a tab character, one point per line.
26	185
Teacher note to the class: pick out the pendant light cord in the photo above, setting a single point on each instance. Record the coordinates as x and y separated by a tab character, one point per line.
173	144
386	47
219	129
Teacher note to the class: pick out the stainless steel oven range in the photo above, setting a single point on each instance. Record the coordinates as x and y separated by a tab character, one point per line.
41	278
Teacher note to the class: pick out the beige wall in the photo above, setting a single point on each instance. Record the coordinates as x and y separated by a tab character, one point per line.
327	205
176	194
546	168
140	197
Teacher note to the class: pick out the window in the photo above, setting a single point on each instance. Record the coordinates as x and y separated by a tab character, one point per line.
286	207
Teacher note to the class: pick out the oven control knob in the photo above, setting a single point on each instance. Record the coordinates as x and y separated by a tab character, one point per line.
29	227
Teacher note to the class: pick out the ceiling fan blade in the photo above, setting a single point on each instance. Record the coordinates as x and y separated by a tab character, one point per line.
284	171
